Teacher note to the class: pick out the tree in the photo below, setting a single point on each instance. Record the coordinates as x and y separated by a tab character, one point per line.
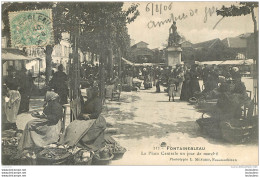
98	27
108	22
101	29
246	8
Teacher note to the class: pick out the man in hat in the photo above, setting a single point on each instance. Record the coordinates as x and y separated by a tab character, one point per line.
59	84
25	89
11	79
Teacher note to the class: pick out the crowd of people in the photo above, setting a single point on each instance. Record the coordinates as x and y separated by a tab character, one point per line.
88	129
183	80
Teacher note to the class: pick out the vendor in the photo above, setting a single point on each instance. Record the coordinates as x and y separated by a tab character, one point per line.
46	128
88	130
93	106
233	97
11	99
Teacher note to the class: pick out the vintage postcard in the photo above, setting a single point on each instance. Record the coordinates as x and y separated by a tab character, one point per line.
130	83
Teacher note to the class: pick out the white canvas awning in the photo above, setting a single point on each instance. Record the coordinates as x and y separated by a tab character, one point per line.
209	62
14	55
238	62
127	62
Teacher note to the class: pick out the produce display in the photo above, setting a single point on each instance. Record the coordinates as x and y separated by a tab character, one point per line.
9	150
54	153
83	156
103	153
62	154
10	141
231	118
103	156
115	148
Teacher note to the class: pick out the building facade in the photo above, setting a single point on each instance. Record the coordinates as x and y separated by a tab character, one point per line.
141	53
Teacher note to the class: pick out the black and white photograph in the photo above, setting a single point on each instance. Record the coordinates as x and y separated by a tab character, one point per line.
129	83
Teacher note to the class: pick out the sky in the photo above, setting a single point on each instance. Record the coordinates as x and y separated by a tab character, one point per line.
197	26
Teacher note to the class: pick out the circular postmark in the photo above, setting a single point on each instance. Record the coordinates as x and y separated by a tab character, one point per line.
31	28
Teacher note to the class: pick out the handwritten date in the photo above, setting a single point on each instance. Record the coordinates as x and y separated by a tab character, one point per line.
157	8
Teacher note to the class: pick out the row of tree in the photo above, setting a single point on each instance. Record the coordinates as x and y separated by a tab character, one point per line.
96	27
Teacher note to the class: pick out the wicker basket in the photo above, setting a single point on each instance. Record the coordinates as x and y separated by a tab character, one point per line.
119	154
210	126
193	100
126	88
98	161
237	131
8	151
58	156
77	160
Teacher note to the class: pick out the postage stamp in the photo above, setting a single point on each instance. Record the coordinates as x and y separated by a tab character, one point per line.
31	28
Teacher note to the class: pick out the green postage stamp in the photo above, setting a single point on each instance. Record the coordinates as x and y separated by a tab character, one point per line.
31	28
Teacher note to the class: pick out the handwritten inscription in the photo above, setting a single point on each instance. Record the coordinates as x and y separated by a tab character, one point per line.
152	24
159	8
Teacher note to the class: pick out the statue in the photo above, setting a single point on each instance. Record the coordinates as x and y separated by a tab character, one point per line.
174	37
173	28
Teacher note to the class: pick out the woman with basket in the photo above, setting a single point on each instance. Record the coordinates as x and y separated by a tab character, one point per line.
88	130
46	128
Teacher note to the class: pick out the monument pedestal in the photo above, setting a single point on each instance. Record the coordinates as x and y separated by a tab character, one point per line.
173	55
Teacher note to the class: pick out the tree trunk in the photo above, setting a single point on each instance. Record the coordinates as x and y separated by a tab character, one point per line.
102	76
92	58
256	62
119	68
76	73
48	58
110	60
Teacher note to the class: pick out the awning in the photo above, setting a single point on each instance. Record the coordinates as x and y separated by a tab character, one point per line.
249	62
237	62
149	64
143	64
209	62
14	54
127	62
227	62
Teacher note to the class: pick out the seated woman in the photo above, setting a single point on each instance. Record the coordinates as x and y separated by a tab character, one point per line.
88	130
46	129
233	97
93	106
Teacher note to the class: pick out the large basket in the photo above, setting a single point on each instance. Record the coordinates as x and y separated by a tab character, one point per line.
148	85
8	151
117	150
126	88
210	126
119	154
80	162
237	131
193	100
98	161
54	156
